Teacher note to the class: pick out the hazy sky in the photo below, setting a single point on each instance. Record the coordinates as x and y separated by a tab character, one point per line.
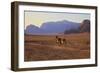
37	18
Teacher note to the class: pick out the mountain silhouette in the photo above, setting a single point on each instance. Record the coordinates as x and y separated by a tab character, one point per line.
59	26
84	27
32	29
51	27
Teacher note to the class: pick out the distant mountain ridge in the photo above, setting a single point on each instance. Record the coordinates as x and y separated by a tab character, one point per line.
58	27
32	29
84	27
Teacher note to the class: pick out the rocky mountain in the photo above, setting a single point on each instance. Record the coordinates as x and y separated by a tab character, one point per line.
64	26
51	27
84	27
59	26
32	29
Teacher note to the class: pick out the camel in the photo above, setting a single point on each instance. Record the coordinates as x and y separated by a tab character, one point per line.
60	41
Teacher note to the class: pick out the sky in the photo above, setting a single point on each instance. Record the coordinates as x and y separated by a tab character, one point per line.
38	18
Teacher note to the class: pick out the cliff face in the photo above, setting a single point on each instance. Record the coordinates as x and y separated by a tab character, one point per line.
51	27
85	26
64	26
